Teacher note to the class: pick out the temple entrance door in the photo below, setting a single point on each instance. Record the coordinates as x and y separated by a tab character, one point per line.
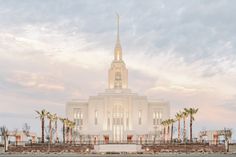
118	123
141	140
106	139
129	138
95	140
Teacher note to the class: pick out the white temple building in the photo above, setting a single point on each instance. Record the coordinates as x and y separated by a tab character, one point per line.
118	114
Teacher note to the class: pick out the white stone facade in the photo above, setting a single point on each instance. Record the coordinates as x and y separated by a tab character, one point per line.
118	114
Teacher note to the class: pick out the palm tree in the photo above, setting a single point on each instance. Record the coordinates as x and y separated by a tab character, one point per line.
171	122
178	117
72	125
55	118
63	120
42	114
50	118
191	112
164	123
168	129
185	115
67	124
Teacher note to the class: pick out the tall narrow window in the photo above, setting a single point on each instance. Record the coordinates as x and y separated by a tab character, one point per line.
78	118
139	117
96	117
81	119
127	120
108	121
160	117
157	120
154	118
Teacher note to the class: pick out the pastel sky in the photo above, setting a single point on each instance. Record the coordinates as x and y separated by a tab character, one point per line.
180	51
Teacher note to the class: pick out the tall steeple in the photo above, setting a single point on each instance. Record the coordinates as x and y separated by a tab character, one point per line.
118	49
118	74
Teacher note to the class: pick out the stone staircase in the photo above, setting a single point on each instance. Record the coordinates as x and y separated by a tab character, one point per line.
118	148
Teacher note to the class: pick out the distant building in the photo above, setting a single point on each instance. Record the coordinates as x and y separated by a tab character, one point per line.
118	114
215	136
19	137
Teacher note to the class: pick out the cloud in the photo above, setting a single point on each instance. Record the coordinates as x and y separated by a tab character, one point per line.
35	80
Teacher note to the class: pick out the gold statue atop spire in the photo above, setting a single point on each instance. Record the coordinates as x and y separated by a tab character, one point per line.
118	49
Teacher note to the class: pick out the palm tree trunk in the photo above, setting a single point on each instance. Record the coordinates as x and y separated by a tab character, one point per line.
168	133
67	134
42	127
63	132
56	131
172	128
71	136
164	133
50	128
179	130
191	128
184	129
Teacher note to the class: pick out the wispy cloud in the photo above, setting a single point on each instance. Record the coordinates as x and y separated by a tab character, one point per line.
35	80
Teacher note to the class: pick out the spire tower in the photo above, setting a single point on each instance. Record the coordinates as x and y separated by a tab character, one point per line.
118	74
118	49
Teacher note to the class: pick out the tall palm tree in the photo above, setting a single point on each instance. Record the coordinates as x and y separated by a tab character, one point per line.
191	112
55	118
178	117
64	121
50	118
42	114
185	115
171	122
72	131
168	129
68	126
68	123
164	123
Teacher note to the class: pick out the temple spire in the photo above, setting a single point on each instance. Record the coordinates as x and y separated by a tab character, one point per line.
118	74
118	29
118	49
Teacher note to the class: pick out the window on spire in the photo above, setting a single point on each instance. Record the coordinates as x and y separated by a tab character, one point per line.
118	55
118	76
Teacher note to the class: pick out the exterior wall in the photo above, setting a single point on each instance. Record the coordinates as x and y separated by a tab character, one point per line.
134	107
72	107
161	110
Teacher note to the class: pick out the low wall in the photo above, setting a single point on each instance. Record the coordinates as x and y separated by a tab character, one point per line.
52	148
189	148
184	148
